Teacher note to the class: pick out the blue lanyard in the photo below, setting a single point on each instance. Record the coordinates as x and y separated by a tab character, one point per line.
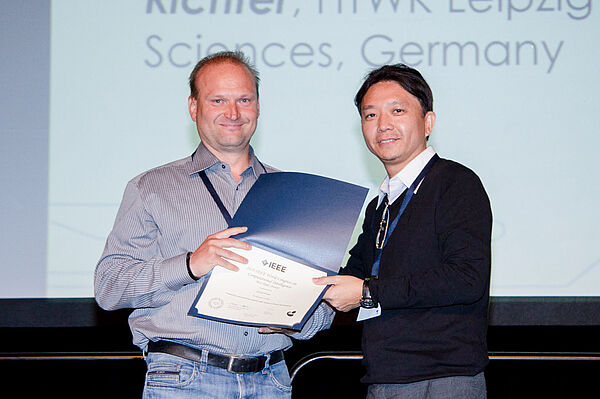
215	196
405	201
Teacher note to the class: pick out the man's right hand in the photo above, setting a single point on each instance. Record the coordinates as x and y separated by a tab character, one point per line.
343	293
212	252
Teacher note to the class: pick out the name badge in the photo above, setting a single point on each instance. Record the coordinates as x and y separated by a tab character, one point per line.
364	314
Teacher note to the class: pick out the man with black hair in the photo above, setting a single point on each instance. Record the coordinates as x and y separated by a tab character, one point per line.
420	271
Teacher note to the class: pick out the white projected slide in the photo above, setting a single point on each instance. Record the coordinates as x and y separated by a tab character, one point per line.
515	86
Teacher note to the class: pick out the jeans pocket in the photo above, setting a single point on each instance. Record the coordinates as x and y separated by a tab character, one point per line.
163	373
280	376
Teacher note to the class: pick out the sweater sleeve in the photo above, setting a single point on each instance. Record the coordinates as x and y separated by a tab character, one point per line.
357	265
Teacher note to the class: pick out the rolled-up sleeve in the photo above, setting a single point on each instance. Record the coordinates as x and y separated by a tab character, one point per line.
321	319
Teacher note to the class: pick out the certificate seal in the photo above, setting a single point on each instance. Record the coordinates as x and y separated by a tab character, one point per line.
215	303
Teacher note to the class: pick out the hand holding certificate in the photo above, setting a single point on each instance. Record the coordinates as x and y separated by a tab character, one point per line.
268	290
299	226
214	251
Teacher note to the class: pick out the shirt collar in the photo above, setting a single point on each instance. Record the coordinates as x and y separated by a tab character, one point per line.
203	159
395	186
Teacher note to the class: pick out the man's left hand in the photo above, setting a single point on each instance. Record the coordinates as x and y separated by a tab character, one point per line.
275	330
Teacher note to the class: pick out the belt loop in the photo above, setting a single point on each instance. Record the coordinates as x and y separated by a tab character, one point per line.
204	359
268	356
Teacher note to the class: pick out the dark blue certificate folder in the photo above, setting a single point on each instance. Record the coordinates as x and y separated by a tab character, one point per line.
304	217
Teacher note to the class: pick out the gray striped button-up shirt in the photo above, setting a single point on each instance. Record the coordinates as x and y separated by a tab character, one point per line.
165	213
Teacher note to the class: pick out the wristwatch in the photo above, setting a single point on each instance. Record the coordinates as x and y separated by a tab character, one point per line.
366	301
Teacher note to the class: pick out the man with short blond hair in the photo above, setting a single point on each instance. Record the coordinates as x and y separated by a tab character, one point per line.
171	231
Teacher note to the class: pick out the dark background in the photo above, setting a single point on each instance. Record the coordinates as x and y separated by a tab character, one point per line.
79	350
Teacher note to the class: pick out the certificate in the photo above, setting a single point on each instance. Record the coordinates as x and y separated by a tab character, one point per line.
268	290
299	226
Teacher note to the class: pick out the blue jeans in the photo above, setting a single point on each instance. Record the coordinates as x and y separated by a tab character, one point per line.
170	376
462	387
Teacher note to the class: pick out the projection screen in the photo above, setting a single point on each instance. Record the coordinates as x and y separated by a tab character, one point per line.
96	93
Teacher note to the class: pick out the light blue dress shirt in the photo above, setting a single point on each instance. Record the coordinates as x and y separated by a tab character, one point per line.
165	213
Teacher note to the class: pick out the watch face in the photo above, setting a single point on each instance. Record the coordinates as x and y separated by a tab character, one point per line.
367	303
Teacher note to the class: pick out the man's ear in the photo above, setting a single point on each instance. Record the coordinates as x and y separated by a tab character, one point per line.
193	107
429	122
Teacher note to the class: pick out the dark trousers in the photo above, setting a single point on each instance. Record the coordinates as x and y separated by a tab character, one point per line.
463	387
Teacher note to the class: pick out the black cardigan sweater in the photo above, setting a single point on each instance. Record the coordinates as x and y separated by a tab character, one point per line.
433	283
